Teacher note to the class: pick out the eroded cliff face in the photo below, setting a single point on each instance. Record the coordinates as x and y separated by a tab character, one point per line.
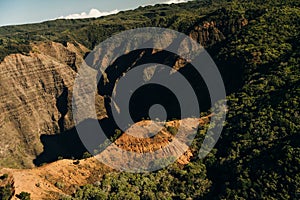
35	99
211	31
207	34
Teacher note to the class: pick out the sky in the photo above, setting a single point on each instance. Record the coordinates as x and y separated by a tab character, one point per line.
14	12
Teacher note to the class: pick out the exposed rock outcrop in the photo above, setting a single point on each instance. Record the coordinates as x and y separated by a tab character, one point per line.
35	99
211	31
207	34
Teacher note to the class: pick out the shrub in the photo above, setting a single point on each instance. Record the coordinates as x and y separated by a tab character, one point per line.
86	155
59	185
172	130
23	196
4	176
6	192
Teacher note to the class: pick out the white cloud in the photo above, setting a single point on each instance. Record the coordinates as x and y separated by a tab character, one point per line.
175	1
96	13
93	13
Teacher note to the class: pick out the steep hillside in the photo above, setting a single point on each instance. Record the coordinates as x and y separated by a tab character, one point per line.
36	98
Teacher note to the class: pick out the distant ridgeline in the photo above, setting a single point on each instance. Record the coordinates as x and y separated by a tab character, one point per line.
255	45
198	15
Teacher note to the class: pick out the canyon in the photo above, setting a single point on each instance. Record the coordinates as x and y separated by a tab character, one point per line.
36	91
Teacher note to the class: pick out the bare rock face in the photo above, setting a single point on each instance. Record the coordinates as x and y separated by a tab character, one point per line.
210	32
35	99
207	34
170	139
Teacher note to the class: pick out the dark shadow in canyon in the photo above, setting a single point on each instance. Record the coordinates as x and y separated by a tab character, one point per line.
62	107
68	144
149	94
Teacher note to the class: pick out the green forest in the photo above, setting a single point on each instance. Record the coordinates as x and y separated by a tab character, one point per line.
258	154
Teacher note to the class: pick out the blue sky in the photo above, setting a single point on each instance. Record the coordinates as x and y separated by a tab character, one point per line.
30	11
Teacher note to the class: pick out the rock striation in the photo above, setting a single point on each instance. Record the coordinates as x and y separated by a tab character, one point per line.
35	98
